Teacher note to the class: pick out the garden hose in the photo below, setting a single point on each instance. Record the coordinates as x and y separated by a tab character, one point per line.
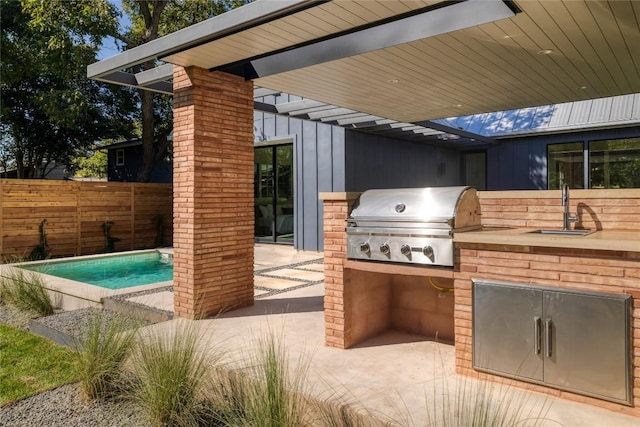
439	288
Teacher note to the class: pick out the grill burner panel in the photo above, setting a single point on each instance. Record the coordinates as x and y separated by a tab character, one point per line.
418	250
411	225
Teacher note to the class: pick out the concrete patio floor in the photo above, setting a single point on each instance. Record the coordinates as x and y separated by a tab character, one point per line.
392	376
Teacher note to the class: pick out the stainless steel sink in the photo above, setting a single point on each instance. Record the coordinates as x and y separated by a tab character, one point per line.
563	232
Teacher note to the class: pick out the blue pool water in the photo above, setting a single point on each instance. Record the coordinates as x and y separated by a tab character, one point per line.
112	272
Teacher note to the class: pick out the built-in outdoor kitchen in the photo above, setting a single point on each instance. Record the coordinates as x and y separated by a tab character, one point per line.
534	286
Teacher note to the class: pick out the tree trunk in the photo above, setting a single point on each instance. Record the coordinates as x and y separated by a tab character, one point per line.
148	149
20	164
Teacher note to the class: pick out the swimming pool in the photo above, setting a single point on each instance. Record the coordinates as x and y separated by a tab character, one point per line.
111	272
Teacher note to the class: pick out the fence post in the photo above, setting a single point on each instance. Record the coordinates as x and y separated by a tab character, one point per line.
132	216
1	218
77	186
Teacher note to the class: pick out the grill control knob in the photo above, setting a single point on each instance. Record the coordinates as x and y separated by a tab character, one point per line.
427	251
405	250
384	248
364	247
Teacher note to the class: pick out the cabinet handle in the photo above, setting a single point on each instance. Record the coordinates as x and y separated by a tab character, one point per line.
547	337
536	334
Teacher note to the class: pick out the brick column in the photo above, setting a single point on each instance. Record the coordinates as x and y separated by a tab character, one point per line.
212	192
336	209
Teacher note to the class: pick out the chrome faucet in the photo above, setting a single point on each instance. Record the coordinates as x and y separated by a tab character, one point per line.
567	218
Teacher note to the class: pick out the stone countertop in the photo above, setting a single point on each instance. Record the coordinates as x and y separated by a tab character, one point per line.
628	241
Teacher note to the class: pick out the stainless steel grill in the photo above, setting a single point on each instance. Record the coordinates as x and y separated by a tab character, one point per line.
411	225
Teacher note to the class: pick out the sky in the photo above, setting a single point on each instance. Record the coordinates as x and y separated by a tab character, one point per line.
109	46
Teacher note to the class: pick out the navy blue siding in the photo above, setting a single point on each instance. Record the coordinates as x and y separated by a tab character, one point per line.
161	172
318	155
521	163
375	161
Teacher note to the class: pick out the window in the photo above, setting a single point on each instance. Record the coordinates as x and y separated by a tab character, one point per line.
565	164
273	190
614	163
119	157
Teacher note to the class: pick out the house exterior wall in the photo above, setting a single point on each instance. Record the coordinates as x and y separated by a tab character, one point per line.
331	159
319	165
521	163
161	173
376	161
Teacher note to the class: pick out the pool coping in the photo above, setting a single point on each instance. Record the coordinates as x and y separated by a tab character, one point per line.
73	294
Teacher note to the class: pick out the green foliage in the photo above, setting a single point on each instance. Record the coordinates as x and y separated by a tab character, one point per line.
26	291
41	250
109	242
478	404
92	166
31	364
50	110
171	375
268	394
151	19
103	350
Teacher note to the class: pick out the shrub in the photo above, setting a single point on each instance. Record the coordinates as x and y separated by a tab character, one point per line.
480	403
26	291
109	242
41	250
171	373
103	349
333	413
267	394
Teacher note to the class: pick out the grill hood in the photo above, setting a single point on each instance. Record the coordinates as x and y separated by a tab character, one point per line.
439	207
411	225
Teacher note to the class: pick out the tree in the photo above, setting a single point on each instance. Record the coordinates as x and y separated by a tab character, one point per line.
50	111
151	19
91	166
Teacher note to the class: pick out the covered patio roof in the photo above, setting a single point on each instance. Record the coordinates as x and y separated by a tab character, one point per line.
382	63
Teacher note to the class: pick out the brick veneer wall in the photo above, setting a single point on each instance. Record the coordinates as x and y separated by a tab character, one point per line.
591	270
588	270
213	192
580	269
597	209
336	209
359	304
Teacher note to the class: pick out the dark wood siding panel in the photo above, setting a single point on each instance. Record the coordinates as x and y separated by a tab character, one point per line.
318	166
521	163
338	158
309	199
375	161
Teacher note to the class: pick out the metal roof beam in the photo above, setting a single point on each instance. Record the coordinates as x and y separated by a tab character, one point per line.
454	131
441	18
235	20
355	115
264	107
335	111
259	92
291	107
367	118
155	75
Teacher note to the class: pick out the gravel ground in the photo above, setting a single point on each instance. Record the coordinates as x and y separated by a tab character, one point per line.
64	407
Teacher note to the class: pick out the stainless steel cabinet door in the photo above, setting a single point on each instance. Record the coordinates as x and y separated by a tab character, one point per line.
585	344
506	330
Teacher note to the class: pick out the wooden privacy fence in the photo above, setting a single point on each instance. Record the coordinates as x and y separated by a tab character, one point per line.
75	212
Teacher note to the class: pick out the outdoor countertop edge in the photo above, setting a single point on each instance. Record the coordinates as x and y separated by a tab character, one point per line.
627	241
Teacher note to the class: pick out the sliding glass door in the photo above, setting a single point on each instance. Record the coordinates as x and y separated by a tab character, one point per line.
273	192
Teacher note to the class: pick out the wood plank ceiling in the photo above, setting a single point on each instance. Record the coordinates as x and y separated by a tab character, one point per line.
554	51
